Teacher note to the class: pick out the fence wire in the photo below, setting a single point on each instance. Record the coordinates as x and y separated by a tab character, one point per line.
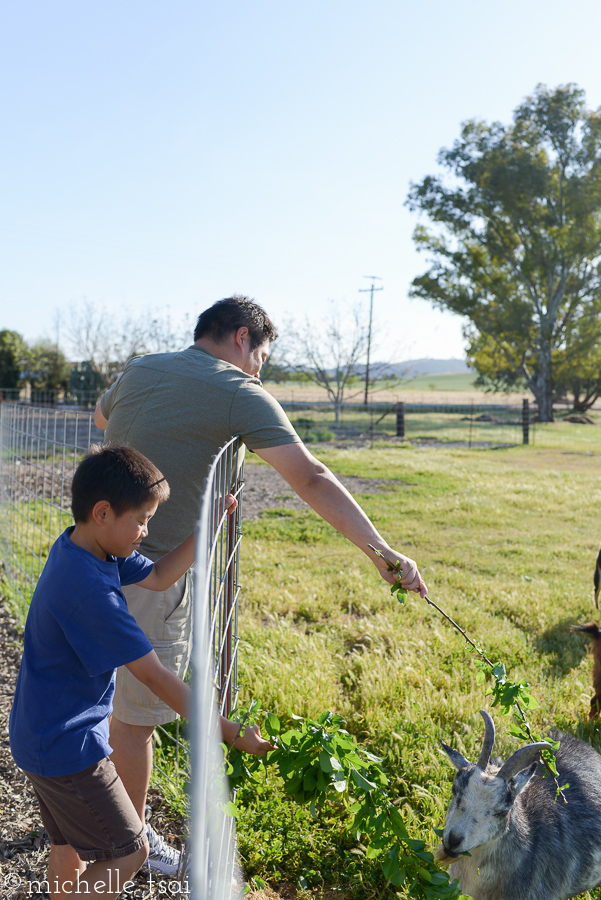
424	424
40	449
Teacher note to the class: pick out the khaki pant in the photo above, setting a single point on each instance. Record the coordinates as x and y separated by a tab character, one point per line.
165	617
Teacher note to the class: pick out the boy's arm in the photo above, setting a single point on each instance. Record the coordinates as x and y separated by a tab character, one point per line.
169	568
167	686
178	695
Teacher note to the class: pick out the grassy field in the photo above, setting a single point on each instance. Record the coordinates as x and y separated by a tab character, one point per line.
453	381
450	388
507	541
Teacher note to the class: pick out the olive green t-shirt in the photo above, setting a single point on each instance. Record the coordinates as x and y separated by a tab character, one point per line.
178	409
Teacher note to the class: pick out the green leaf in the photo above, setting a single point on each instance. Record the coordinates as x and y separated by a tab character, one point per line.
362	782
272	724
325	762
230	809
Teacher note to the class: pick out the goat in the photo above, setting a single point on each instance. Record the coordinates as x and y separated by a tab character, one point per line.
522	843
592	629
597	579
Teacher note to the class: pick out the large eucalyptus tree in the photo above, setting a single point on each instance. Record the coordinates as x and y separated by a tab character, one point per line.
514	238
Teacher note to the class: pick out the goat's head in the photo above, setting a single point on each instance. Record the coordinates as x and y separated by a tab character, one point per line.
483	796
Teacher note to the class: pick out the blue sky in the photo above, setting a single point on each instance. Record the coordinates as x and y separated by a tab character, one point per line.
162	154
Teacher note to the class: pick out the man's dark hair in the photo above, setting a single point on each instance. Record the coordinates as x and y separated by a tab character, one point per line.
222	318
120	475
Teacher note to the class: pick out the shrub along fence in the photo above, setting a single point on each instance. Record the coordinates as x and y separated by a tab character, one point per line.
39	452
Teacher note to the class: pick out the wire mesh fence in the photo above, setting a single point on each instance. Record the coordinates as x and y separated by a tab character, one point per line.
40	449
214	871
53	398
466	424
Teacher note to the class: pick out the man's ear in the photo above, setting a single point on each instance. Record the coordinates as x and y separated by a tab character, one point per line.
100	512
240	336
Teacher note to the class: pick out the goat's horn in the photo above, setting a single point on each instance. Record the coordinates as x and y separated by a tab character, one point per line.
489	740
521	759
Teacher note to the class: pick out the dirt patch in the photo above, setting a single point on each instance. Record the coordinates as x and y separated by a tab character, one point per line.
264	488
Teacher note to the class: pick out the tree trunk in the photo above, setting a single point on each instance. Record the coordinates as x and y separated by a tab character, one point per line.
542	386
337	405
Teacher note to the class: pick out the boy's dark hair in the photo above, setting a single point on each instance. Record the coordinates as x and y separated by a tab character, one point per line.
219	320
121	475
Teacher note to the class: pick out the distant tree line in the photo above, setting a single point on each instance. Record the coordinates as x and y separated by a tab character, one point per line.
41	365
102	343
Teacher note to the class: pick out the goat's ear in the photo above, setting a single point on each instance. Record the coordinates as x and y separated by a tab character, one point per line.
519	781
459	761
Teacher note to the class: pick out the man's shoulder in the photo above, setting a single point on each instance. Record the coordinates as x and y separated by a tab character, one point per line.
192	363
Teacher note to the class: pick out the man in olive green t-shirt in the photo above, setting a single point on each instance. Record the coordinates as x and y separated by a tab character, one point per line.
179	409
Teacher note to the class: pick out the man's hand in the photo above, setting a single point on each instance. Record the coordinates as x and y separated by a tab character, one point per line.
410	577
231	504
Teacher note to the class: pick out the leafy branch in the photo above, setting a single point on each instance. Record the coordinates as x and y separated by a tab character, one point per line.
320	762
512	697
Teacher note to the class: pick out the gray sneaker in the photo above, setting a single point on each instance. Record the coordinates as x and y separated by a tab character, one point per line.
161	857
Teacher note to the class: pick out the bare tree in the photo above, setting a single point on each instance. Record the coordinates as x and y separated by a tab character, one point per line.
107	342
328	350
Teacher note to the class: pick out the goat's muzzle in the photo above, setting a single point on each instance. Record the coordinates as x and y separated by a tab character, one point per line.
442	856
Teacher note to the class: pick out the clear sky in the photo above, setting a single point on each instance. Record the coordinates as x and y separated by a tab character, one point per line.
168	154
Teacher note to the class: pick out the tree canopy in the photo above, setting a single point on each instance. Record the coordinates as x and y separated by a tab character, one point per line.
13	351
515	243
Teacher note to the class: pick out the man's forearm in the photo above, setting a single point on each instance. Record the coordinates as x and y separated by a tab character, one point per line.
317	486
330	499
314	482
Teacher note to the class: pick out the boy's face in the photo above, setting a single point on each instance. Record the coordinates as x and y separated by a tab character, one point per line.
123	534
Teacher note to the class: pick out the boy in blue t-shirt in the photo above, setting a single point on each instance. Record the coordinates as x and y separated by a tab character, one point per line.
78	631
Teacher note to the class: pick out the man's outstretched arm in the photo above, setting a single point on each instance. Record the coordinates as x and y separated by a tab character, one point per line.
317	486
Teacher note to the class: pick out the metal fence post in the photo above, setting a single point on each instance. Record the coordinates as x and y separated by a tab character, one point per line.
525	422
400	420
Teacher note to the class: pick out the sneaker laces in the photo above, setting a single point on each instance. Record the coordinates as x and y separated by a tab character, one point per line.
160	849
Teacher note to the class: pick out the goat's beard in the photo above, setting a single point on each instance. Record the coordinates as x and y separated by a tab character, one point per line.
442	858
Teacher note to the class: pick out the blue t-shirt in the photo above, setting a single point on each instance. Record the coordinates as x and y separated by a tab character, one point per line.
78	631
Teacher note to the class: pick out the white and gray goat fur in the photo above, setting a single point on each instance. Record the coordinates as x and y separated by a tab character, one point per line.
523	843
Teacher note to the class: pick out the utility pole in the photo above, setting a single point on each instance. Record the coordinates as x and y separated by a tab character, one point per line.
371	290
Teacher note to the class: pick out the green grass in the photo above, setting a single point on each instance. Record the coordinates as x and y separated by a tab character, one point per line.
452	381
506	540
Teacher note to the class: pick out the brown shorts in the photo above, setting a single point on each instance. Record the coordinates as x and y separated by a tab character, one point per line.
90	811
165	617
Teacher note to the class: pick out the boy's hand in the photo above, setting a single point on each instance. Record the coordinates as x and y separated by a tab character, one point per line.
250	741
231	504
